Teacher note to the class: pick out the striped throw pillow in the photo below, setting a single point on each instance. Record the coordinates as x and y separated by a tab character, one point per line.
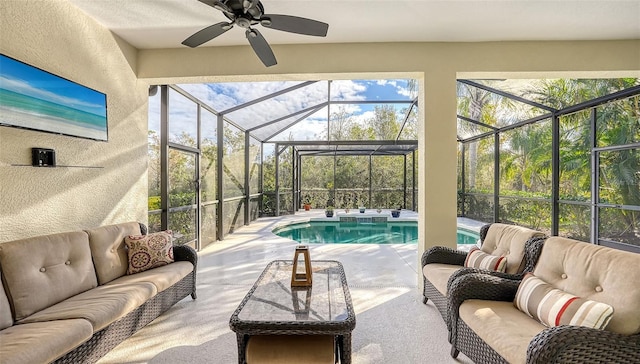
476	258
554	307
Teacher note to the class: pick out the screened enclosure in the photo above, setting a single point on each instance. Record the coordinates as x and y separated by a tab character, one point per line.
559	155
222	155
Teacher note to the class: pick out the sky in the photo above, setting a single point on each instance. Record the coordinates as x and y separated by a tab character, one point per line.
223	96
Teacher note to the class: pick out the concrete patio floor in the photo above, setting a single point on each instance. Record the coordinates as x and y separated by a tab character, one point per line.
393	325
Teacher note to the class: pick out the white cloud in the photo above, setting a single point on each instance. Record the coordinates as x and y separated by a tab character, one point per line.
279	106
351	109
401	87
404	91
347	90
363	118
306	130
227	95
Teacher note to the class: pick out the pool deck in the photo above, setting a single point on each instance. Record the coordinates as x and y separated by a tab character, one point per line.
469	224
393	326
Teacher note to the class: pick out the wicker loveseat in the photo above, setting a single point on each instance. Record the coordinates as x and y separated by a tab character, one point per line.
521	247
489	328
67	298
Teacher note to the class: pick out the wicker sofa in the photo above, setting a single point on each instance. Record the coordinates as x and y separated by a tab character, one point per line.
489	328
67	298
440	265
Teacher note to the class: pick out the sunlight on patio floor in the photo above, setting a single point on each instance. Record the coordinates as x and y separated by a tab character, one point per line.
392	324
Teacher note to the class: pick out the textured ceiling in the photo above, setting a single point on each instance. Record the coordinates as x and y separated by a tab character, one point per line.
166	23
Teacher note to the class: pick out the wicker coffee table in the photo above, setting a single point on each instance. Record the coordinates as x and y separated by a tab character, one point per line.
272	307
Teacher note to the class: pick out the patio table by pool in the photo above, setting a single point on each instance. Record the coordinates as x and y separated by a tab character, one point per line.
273	307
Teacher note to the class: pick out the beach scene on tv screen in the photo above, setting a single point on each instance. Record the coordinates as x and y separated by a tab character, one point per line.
34	99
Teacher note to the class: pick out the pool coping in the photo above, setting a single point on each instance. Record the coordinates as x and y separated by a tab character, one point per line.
405	215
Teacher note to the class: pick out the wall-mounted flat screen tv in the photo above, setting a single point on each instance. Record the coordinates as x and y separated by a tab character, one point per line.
35	99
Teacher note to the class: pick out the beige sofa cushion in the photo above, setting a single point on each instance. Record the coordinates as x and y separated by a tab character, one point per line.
42	342
6	318
595	273
44	270
100	306
509	241
109	251
502	326
438	274
162	277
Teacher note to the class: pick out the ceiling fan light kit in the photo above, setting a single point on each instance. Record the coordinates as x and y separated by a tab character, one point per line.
246	14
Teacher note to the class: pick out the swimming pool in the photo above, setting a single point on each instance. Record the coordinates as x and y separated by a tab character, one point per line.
466	236
333	232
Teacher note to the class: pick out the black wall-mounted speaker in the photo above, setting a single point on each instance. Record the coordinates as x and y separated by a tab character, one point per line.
41	157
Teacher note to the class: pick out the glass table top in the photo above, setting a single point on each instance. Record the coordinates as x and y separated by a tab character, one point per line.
273	299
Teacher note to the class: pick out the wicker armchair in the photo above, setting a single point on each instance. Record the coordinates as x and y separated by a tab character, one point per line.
488	328
440	265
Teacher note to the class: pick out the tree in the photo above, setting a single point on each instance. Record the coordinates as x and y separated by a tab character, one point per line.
384	122
617	124
341	123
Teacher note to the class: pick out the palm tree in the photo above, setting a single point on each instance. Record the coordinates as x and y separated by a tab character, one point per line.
472	106
618	124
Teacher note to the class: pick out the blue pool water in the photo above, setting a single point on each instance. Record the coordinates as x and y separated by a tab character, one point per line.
467	237
321	232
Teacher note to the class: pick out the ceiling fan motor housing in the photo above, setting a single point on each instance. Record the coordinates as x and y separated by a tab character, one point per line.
254	12
244	22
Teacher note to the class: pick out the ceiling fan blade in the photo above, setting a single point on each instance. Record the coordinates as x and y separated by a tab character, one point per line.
209	2
261	47
295	24
207	34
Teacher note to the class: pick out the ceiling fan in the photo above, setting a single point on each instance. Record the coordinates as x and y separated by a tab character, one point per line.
246	14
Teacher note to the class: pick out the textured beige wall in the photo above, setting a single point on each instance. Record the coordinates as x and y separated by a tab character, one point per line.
607	58
55	36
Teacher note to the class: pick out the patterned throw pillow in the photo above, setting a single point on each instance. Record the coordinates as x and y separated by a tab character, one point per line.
476	258
554	307
149	251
